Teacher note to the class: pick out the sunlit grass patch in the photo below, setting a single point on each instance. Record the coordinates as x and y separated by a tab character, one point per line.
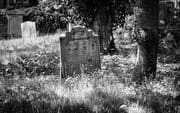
104	91
10	50
39	92
136	108
27	43
88	93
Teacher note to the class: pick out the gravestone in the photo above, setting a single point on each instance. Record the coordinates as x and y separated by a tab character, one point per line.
3	27
69	27
28	29
15	18
79	52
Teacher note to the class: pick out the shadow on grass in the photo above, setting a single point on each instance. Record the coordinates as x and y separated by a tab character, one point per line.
168	58
106	103
98	102
157	102
42	107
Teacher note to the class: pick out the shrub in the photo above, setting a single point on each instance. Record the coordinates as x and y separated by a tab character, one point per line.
46	22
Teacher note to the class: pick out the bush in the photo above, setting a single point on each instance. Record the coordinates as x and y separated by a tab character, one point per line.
30	66
45	22
123	35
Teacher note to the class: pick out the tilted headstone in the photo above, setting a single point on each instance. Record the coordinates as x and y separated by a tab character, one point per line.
28	29
79	51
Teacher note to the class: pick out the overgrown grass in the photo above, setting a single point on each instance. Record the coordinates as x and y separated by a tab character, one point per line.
97	93
11	49
108	90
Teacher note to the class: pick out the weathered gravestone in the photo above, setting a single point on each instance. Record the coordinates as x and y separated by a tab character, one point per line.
79	52
28	29
15	18
3	27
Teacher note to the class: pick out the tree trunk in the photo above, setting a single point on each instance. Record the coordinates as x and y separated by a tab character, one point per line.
146	29
102	26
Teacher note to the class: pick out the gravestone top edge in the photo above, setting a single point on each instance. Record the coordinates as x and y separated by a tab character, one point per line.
88	33
15	12
28	22
79	29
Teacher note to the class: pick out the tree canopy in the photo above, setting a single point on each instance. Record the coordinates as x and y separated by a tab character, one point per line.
88	9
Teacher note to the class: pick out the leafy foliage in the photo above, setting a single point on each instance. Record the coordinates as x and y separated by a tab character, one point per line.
47	20
51	15
87	10
41	64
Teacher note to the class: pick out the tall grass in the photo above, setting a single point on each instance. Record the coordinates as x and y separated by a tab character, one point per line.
26	43
10	50
93	93
109	90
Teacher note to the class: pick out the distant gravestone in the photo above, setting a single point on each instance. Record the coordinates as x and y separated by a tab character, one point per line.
69	27
79	51
15	18
28	29
3	27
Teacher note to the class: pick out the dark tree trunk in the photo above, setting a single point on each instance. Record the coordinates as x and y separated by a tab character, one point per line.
102	26
146	30
33	2
1	4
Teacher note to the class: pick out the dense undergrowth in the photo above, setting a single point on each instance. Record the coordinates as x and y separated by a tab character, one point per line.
40	64
31	84
106	91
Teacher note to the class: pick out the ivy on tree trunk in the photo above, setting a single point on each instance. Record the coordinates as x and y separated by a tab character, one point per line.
146	34
102	26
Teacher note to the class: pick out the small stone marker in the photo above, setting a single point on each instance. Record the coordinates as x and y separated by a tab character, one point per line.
69	27
28	29
79	51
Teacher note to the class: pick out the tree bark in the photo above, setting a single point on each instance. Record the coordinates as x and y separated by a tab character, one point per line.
102	26
146	30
